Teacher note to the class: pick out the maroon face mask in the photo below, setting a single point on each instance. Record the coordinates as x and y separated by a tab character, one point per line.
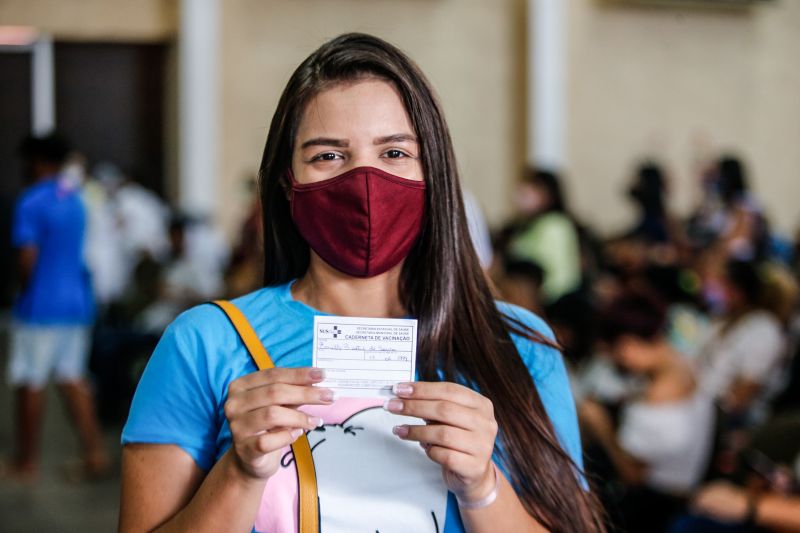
362	222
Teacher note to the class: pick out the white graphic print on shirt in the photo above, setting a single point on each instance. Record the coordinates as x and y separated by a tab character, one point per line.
368	479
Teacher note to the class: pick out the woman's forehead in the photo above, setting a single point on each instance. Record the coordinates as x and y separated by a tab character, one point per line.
366	107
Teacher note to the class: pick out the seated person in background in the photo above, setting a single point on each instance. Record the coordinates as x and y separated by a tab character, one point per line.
521	284
546	234
768	495
649	191
661	446
727	507
738	363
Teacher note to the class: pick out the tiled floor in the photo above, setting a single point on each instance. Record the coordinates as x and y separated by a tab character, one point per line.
54	504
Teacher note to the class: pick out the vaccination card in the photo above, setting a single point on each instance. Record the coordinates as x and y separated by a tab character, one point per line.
364	357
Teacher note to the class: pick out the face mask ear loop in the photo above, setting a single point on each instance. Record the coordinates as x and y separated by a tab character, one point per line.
287	186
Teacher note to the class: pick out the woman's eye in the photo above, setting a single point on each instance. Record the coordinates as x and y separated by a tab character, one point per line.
395	154
326	156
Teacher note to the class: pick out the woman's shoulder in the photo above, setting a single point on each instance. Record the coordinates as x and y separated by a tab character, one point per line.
549	374
208	322
526	317
540	358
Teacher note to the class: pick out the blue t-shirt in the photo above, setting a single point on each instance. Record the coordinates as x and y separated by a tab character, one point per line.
52	218
368	479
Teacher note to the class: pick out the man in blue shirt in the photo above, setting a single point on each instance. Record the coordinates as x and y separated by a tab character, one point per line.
54	309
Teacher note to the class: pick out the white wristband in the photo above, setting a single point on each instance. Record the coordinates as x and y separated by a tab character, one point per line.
487	500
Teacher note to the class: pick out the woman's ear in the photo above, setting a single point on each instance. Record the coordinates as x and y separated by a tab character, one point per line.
287	188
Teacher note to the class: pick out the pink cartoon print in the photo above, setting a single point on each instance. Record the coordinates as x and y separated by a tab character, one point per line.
368	479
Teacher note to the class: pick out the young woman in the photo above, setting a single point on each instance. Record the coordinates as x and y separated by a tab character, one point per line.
362	217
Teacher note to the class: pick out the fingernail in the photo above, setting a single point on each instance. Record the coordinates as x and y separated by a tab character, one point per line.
400	431
393	405
315	421
296	434
316	374
402	389
327	395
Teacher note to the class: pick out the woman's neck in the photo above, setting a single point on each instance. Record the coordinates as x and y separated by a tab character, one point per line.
330	291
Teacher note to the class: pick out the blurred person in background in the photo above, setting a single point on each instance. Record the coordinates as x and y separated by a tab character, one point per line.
105	246
157	292
679	289
545	234
728	216
708	218
763	496
729	225
739	361
139	222
648	192
782	296
191	274
744	233
54	309
728	508
521	284
661	446
654	240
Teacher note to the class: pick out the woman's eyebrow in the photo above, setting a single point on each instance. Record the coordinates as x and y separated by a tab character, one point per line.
325	141
395	138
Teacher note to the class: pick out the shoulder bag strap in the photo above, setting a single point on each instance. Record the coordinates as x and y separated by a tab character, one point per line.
306	475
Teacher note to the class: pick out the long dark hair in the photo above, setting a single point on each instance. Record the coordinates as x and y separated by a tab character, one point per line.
461	332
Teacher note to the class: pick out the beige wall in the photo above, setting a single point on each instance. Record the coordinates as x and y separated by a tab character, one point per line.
94	19
655	82
470	49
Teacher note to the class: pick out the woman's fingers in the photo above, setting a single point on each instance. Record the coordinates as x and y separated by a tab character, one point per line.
443	411
278	394
452	460
442	390
260	412
462	436
449	437
269	419
293	376
251	449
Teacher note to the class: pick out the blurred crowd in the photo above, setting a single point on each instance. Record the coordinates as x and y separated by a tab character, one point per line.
681	339
680	334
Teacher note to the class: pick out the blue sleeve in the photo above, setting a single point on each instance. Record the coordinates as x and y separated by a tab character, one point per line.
25	230
175	402
546	366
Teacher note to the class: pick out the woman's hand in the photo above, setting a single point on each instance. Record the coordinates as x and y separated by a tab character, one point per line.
262	414
723	501
460	433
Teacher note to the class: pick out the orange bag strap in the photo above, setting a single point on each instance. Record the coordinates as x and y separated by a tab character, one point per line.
306	474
